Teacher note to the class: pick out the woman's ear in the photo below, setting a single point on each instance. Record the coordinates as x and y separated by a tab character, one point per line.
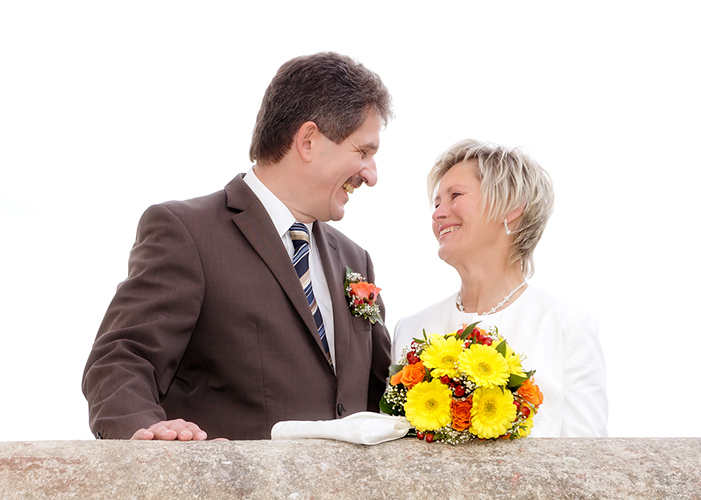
515	214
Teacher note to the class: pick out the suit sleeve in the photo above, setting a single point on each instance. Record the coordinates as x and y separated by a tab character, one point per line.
379	370
146	329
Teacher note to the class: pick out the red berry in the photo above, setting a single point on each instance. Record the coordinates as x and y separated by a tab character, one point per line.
420	435
525	411
459	391
429	437
445	379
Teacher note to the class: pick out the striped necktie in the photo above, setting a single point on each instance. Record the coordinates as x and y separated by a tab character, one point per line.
300	240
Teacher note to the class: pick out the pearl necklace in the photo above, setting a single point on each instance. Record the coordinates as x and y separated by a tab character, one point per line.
458	301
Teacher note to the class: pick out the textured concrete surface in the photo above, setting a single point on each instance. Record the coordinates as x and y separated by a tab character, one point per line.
319	469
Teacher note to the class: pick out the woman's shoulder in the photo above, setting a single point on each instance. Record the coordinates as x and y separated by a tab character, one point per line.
541	298
428	315
568	311
437	318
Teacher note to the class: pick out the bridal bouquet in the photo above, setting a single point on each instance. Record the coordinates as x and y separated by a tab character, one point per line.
464	385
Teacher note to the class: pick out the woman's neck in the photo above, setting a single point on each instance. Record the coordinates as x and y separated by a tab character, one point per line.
483	288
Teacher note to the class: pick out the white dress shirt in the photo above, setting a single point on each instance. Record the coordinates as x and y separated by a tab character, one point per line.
560	342
282	220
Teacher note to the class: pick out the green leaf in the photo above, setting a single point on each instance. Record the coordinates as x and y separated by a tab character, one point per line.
387	408
394	369
375	318
468	330
501	348
516	381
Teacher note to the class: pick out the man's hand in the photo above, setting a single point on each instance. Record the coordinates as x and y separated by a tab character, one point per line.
170	430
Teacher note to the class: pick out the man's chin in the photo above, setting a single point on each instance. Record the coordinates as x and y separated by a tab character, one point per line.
337	214
336	218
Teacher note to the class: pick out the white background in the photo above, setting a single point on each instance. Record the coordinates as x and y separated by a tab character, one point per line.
108	107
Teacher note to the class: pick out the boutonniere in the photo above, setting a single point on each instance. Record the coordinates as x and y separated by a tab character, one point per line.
362	296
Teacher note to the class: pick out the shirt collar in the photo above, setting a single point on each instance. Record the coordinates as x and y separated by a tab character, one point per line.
281	216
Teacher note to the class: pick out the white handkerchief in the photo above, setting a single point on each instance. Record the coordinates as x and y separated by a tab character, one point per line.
360	428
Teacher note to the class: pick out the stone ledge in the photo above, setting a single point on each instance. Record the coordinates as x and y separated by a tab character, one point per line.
315	469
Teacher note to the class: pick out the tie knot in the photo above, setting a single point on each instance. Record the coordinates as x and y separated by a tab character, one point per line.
299	232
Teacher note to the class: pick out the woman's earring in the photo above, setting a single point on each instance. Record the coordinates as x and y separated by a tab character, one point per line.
506	226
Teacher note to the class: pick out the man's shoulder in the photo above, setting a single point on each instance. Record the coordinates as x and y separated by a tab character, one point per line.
198	204
235	192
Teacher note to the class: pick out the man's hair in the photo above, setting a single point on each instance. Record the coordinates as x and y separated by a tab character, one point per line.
509	179
329	89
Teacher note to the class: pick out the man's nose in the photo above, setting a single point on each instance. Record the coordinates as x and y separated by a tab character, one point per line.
369	172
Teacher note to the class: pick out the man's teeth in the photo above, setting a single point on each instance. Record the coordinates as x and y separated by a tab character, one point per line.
448	230
348	187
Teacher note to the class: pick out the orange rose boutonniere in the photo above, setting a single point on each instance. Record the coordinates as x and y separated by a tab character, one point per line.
362	296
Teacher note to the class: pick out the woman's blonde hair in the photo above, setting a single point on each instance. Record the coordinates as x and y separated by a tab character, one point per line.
509	179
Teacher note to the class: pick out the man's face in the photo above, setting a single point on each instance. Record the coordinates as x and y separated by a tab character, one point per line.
340	168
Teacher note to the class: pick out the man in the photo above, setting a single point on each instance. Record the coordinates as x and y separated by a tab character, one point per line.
212	332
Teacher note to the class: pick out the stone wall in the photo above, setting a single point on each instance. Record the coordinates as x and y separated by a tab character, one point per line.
319	469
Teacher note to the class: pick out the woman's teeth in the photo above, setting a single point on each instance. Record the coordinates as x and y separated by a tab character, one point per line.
447	230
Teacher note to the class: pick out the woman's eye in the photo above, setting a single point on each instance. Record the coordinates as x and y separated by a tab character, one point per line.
455	195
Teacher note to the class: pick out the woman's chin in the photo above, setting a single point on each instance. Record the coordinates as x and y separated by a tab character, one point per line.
444	255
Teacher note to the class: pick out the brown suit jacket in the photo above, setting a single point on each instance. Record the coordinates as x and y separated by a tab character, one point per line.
212	326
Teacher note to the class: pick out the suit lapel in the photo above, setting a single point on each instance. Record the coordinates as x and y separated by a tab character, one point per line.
255	224
335	273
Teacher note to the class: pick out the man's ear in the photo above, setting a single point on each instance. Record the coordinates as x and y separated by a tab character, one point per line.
304	139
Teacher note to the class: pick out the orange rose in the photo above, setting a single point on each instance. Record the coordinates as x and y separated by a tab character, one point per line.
460	414
364	290
530	392
410	375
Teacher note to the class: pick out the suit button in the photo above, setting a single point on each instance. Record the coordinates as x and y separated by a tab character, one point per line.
341	409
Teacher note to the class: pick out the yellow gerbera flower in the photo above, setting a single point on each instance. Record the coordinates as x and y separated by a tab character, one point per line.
493	412
484	366
524	429
441	356
427	405
514	361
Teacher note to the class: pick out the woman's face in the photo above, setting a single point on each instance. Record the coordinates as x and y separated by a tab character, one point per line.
463	232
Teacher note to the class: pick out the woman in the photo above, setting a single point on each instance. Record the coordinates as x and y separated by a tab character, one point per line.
491	207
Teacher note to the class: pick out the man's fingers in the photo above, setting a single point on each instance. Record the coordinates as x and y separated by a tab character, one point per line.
163	432
171	430
143	434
